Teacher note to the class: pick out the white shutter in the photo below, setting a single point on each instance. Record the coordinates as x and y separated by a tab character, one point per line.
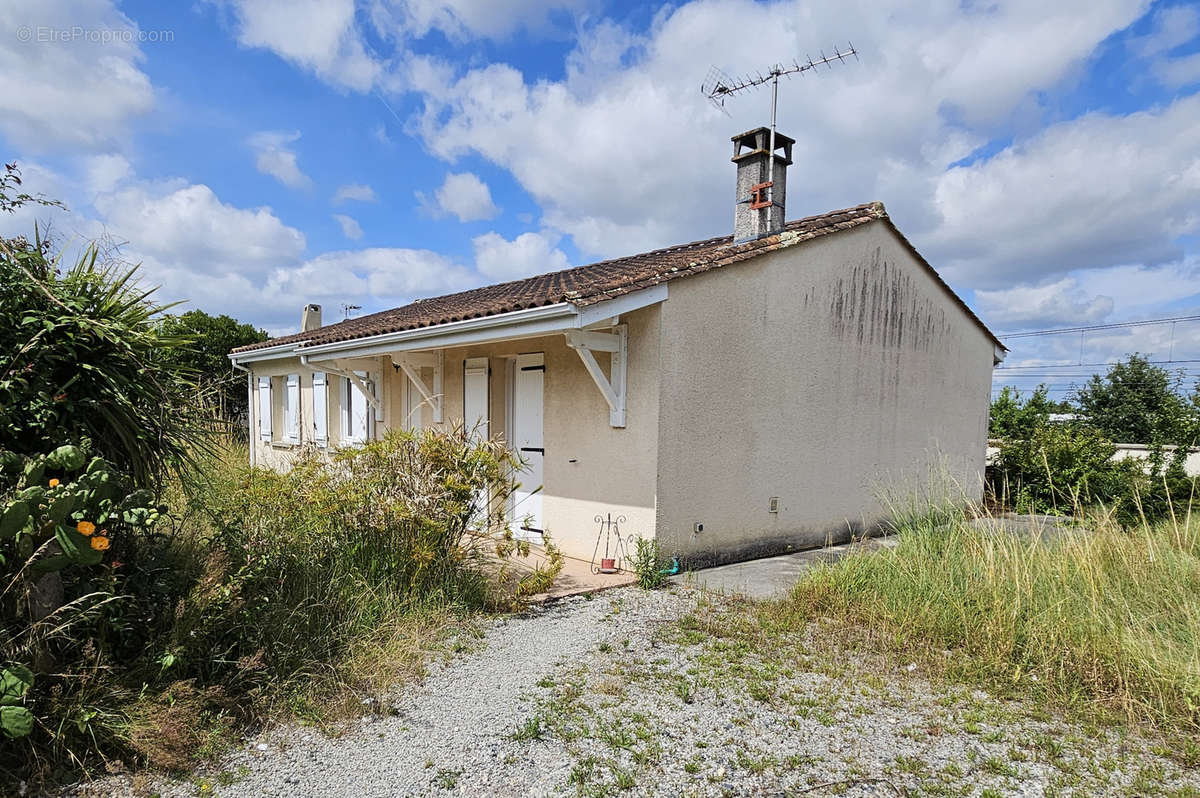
291	408
356	413
320	409
360	412
475	396
264	408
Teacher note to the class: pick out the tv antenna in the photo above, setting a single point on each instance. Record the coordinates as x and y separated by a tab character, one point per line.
348	310
717	86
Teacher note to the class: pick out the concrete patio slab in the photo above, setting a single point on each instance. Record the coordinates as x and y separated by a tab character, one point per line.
575	578
773	577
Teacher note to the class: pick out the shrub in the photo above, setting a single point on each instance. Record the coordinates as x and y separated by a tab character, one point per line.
648	563
1057	469
304	563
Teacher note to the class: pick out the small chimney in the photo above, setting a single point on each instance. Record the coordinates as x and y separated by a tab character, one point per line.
761	191
310	318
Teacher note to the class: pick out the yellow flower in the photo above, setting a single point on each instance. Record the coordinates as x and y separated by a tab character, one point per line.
85	527
54	483
99	543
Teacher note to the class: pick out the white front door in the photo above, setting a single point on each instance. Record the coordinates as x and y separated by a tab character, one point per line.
527	383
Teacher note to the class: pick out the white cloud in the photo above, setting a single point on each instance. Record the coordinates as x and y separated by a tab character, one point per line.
1057	303
624	154
359	192
247	262
350	228
1094	192
463	195
104	172
1172	27
473	18
1181	71
395	274
320	36
527	254
273	156
77	93
175	222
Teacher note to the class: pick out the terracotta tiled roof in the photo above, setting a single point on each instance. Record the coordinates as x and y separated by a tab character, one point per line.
587	285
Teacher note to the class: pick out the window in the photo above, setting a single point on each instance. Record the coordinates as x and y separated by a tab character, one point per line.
264	408
320	409
357	417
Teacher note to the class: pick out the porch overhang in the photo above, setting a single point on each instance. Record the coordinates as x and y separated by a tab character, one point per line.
579	324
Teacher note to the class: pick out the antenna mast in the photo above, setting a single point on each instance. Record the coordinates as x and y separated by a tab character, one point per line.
717	86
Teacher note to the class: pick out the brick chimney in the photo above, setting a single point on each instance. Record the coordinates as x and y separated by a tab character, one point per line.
759	208
310	318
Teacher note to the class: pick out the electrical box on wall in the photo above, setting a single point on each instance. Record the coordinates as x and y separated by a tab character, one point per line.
697	527
773	504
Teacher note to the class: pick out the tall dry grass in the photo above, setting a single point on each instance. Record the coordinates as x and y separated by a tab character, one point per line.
1091	616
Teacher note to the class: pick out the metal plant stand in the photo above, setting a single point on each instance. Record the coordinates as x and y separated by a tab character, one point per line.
609	530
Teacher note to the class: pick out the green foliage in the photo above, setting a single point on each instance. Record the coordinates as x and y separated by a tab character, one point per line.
1056	469
1137	402
15	720
1065	469
1014	417
84	359
12	198
210	339
59	515
648	563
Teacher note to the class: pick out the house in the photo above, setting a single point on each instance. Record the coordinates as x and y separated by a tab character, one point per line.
734	397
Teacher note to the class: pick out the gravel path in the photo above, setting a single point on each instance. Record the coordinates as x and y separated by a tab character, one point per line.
615	695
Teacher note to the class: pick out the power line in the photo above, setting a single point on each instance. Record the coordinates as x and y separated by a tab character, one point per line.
1090	328
1085	365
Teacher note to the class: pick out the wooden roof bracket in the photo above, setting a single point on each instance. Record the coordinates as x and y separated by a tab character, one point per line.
612	387
410	363
338	370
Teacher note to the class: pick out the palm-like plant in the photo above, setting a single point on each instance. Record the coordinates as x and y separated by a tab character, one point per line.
84	358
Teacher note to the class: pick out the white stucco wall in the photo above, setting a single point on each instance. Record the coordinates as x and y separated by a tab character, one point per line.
829	374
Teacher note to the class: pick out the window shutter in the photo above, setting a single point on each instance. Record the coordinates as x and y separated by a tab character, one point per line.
291	409
357	415
320	409
264	408
360	411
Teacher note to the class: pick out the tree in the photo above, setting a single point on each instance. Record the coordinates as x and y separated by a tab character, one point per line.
211	338
1015	419
1139	402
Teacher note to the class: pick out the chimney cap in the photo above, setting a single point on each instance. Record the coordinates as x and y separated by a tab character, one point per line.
758	141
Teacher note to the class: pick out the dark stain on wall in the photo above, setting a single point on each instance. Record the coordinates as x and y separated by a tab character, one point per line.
877	304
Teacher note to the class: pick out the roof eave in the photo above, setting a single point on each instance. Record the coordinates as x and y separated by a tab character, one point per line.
517	324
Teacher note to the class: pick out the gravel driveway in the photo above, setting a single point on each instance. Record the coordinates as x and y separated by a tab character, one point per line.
630	693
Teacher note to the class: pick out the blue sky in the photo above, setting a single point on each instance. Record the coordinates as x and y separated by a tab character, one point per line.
255	155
